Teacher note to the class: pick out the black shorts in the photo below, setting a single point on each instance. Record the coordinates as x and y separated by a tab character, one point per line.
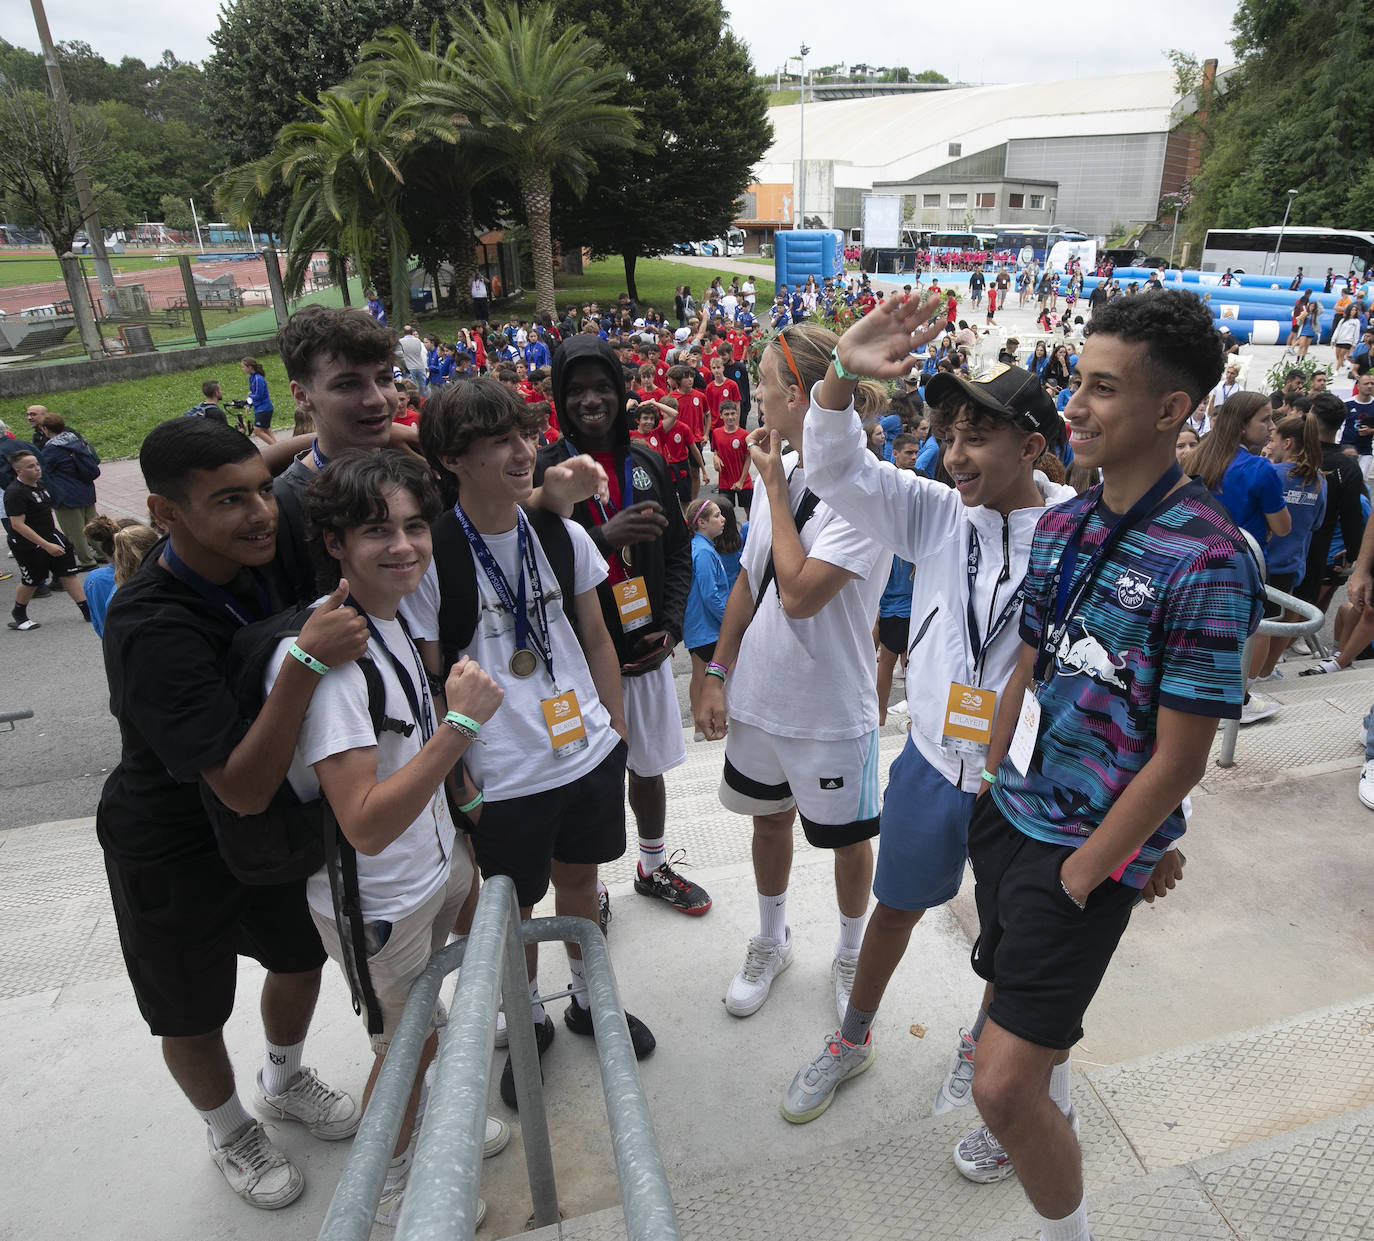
35	564
706	652
1044	956
1279	581
741	497
262	418
893	632
183	926
682	480
582	823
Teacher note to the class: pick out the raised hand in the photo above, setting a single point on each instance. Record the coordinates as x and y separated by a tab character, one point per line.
335	633
879	345
470	691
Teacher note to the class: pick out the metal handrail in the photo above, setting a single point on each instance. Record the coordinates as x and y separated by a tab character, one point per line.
9	718
441	1193
1230	729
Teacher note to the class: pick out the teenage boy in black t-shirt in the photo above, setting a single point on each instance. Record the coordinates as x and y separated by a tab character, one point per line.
38	547
183	918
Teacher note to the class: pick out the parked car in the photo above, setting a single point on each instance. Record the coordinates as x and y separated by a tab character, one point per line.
682	247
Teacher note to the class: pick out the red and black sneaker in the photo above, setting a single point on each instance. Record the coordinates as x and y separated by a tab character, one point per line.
667	885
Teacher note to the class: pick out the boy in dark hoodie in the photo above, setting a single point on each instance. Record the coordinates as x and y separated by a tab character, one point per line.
640	532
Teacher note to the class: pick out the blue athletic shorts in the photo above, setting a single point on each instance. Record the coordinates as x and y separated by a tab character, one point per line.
922	836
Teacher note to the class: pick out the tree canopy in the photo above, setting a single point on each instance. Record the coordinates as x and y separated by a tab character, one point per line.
702	112
1296	114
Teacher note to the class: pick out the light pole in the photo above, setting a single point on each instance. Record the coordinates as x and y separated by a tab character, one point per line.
801	149
1278	249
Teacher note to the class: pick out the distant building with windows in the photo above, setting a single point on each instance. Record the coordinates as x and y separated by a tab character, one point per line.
1088	154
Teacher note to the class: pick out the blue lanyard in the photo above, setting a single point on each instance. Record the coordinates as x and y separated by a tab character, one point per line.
979	645
1068	593
421	710
627	492
317	456
217	595
525	639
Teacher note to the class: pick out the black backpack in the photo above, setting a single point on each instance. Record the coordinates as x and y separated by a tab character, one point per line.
292	839
458	575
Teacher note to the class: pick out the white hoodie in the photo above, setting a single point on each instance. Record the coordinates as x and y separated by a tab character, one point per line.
928	524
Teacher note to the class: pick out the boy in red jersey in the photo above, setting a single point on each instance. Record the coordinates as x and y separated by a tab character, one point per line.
691	412
731	447
720	390
646	429
677	447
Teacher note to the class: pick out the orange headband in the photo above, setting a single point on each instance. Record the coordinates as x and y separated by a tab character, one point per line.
791	361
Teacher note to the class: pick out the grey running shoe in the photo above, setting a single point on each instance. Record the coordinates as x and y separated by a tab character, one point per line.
981	1158
956	1090
256	1170
814	1085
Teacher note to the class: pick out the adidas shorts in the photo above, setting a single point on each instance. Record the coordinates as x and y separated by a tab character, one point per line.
654	722
832	784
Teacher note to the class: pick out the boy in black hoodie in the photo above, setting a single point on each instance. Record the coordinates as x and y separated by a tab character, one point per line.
640	532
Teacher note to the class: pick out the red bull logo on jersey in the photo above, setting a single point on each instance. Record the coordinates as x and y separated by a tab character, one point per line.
1088	655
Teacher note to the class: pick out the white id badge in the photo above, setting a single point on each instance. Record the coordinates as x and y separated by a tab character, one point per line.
1022	748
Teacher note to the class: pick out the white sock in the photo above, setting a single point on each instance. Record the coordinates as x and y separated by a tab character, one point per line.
601	887
537	1013
650	855
1071	1228
226	1120
579	982
1059	1086
281	1065
773	917
851	934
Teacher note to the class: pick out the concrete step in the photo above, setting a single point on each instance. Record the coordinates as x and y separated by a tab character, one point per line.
1267	1129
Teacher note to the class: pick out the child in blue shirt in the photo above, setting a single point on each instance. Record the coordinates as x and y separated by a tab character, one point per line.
706	598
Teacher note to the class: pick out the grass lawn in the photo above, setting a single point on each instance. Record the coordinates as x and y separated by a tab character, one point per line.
33	268
116	417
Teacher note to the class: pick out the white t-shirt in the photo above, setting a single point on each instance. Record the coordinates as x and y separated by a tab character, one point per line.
812	677
405	874
518	757
747	292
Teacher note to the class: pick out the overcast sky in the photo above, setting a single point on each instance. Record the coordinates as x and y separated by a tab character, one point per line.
1010	41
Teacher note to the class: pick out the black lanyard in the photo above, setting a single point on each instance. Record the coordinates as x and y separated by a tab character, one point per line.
1068	593
525	639
978	644
215	594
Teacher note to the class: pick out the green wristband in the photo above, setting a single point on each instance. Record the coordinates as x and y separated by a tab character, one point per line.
839	367
308	660
989	776
463	723
473	804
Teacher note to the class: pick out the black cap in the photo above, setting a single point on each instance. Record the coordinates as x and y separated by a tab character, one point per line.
1003	389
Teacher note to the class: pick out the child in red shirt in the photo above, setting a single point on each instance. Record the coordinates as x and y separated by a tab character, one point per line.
731	447
677	447
719	390
647	430
691	412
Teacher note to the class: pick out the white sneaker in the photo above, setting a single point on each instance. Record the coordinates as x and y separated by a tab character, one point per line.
763	962
329	1114
1366	785
497	1137
394	1190
956	1090
899	708
256	1170
842	979
502	1034
1257	707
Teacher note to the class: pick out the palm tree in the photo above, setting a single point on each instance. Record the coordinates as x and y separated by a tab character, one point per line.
538	102
343	172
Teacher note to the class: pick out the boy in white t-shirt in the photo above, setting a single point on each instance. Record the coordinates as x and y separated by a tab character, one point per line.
371	511
552	771
802	708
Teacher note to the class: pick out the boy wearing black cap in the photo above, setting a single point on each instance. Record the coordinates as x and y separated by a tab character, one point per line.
972	544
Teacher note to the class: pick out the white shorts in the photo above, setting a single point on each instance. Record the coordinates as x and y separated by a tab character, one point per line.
832	784
654	722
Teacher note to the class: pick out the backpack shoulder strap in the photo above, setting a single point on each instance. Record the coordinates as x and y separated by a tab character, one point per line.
557	544
457	587
809	502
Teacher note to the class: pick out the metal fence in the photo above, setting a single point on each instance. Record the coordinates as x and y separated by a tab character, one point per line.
441	1193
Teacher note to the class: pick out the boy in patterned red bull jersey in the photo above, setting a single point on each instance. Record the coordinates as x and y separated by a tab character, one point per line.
1139	600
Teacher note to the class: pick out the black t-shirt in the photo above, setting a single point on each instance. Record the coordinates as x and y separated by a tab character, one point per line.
295	562
165	659
34	505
